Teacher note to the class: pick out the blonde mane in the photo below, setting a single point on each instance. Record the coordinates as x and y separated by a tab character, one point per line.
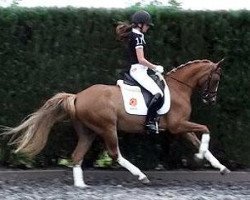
187	64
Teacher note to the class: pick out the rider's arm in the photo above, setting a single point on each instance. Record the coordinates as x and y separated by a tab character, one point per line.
142	60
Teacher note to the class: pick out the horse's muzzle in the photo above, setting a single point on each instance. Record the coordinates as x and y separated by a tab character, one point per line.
211	101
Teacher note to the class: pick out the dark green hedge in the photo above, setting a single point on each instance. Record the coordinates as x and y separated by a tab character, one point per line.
45	51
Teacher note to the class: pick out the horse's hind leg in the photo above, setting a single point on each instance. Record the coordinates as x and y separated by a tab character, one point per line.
208	155
85	139
111	142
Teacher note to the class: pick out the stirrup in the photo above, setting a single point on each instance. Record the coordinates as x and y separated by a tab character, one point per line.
152	127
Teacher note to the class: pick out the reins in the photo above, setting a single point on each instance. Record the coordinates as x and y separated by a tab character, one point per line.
181	82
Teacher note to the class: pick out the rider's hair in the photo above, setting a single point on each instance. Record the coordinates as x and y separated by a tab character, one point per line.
123	29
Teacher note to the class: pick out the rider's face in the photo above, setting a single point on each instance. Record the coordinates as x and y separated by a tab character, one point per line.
145	28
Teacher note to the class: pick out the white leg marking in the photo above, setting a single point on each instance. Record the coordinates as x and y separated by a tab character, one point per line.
78	176
130	167
214	162
203	146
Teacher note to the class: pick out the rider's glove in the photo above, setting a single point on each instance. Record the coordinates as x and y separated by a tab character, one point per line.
159	69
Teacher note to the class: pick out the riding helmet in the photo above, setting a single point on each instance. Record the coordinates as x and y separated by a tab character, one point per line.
142	17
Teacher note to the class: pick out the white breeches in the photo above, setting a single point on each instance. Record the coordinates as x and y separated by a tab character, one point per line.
139	73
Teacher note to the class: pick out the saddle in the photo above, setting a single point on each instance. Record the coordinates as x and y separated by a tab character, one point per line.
136	98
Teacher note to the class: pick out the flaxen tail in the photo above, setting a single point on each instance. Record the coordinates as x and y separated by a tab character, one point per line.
31	135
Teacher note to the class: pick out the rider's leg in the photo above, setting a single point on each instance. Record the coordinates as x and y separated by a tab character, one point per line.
139	73
154	105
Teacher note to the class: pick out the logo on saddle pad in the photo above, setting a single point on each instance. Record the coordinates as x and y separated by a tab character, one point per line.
134	101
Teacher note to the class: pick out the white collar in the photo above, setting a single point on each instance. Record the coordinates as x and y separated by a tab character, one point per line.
140	33
137	31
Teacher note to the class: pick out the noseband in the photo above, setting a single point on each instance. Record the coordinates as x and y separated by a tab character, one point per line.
207	92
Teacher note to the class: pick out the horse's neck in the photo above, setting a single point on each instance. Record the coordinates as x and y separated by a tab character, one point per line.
191	74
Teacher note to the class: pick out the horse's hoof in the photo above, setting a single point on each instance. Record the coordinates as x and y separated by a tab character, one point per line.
224	171
83	186
198	157
145	180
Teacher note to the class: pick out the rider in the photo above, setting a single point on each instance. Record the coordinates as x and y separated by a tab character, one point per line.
133	35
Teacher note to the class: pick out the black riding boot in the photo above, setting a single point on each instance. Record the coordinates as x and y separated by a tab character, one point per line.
155	104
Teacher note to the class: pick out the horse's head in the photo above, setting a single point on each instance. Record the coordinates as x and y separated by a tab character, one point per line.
210	83
202	74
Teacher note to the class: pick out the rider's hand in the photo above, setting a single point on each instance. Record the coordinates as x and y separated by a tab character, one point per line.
159	69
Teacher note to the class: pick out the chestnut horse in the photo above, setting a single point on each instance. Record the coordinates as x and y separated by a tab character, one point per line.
99	111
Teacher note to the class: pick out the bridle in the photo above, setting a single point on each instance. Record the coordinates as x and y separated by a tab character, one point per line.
207	93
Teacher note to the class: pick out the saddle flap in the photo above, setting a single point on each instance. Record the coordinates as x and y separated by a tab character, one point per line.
134	101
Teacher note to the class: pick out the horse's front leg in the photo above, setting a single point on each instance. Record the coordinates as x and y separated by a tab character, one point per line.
186	126
208	155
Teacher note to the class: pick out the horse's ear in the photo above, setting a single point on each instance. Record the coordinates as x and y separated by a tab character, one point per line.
218	64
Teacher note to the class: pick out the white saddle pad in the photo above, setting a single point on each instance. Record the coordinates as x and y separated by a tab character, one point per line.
134	102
